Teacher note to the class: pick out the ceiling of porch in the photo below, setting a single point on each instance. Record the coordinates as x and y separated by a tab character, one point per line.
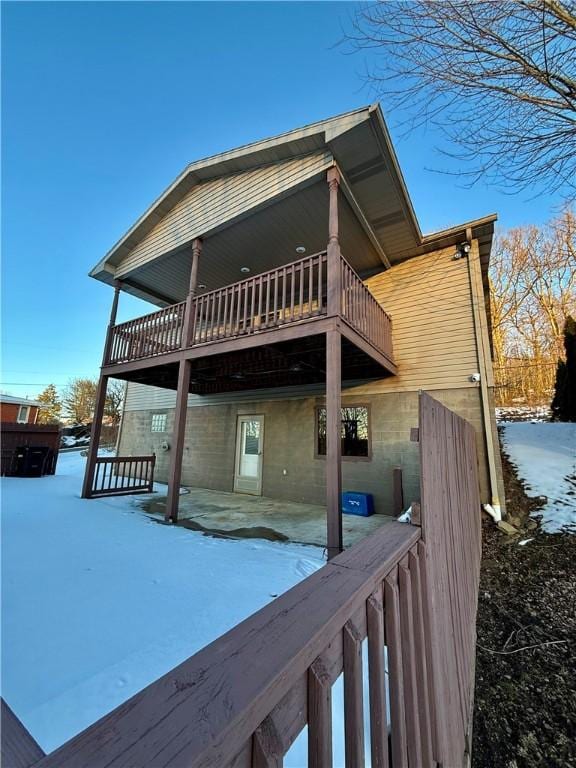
260	242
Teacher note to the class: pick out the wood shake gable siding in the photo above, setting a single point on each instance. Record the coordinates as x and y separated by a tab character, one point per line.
213	203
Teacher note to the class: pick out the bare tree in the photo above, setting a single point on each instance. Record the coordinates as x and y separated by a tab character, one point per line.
533	291
79	399
498	77
114	400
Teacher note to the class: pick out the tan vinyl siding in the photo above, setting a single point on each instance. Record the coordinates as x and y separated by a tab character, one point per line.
209	205
429	300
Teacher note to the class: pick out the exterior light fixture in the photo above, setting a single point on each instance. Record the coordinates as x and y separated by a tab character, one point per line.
300	249
245	270
201	287
462	251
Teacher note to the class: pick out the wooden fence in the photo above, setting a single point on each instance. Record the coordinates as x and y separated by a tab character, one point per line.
17	436
117	475
410	591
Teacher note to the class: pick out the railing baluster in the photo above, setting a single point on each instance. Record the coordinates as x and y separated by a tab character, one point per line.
319	717
310	285
292	290
377	681
283	308
276	278
409	667
353	710
301	290
252	306
394	646
267	316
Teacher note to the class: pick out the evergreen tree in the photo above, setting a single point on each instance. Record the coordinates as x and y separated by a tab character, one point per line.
51	408
564	402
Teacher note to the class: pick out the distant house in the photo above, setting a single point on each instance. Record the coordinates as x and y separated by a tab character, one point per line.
18	410
300	309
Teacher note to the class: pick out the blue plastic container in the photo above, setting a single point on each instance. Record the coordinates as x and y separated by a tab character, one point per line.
357	504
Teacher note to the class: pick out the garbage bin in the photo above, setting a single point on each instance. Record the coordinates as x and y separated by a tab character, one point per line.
31	460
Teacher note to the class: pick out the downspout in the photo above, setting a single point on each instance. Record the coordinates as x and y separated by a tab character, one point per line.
485	369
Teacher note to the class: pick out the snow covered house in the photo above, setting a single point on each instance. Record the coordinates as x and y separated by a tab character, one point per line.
301	309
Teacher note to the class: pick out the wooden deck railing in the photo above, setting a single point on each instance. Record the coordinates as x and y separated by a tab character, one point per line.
363	312
284	295
410	591
147	336
117	475
288	294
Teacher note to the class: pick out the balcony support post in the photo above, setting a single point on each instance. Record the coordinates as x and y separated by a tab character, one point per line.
111	322
333	252
189	314
95	437
100	403
177	448
333	443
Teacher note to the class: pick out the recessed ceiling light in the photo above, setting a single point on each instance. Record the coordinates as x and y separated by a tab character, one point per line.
300	249
245	269
201	286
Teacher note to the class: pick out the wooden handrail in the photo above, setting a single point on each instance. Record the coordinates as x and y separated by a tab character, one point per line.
259	670
119	475
288	294
412	592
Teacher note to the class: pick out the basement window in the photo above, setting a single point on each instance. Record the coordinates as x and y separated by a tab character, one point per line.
158	422
354	433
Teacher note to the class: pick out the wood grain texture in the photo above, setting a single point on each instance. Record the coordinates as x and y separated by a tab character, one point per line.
18	748
353	706
179	721
377	682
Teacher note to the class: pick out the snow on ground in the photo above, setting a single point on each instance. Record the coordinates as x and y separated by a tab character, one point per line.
545	455
98	600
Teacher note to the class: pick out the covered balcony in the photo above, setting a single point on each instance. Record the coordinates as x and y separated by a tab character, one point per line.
266	323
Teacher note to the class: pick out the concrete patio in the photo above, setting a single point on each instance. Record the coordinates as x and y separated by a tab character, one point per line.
234	515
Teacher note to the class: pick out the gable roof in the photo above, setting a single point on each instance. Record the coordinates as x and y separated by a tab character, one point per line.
357	141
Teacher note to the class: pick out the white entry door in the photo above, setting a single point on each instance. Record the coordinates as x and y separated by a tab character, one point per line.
249	450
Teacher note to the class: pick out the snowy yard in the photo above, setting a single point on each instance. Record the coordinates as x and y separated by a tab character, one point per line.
545	455
99	600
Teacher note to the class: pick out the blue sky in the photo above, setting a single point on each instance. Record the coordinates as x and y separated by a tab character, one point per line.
104	104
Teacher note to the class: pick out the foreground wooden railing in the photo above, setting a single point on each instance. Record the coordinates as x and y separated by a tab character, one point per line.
288	294
117	475
411	592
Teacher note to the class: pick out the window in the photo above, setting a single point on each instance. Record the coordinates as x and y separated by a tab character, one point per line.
355	432
23	413
158	422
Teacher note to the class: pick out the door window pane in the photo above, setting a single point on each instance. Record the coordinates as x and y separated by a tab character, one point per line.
250	448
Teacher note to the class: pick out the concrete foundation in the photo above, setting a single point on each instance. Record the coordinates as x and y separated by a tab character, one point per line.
291	471
237	515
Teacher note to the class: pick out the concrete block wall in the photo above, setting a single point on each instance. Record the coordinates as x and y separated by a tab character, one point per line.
290	469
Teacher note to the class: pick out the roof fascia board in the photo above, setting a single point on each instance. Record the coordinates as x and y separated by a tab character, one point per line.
387	148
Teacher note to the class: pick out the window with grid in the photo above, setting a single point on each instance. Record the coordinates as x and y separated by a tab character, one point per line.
158	422
354	431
